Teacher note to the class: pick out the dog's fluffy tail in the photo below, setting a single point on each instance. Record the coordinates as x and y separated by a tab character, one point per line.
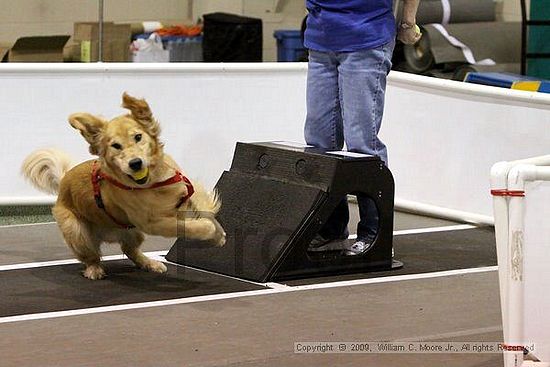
206	201
45	168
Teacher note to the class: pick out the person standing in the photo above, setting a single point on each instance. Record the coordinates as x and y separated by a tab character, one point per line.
350	45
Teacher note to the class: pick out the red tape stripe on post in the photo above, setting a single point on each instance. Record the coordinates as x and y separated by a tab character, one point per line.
504	192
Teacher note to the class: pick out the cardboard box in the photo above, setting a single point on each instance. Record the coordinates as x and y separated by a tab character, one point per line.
116	41
4	50
71	52
35	49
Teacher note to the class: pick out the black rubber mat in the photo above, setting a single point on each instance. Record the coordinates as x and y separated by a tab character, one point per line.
430	252
58	288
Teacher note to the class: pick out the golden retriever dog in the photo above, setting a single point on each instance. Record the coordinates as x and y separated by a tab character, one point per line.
132	188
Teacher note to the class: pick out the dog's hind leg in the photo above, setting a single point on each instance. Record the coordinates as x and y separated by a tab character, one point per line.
130	241
80	240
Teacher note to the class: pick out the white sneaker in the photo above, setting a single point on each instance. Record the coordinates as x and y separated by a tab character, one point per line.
358	248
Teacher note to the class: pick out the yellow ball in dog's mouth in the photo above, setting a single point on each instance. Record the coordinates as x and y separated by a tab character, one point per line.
140	175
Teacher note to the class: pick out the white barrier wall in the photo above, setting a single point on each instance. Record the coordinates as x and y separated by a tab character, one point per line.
442	136
203	109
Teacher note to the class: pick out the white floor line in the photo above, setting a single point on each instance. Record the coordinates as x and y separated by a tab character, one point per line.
134	306
426	230
396	278
457	227
163	259
71	261
261	292
25	225
277	285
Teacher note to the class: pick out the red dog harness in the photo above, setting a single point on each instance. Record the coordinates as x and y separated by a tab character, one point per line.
98	176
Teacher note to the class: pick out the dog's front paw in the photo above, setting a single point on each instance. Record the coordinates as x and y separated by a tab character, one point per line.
219	237
155	267
94	272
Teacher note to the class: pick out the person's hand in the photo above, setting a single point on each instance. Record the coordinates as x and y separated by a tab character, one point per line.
409	34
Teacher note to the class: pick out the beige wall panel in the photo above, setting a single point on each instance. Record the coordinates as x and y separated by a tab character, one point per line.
38	11
130	10
288	15
201	7
270	44
47	17
10	32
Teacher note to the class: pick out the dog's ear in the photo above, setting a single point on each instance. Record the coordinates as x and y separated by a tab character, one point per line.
90	127
140	111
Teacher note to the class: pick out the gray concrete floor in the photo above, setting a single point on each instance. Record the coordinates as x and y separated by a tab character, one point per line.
258	330
262	330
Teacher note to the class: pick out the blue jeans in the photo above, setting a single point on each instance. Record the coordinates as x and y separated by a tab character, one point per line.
345	103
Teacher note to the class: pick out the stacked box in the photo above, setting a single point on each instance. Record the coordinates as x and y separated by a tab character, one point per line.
232	38
116	41
34	49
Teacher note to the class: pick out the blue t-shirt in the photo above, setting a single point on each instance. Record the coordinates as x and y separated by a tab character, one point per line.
348	25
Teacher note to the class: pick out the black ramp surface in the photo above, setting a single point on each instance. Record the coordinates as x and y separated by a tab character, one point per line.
276	198
258	224
435	251
58	288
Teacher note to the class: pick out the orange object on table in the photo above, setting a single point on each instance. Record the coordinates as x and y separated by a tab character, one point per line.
180	30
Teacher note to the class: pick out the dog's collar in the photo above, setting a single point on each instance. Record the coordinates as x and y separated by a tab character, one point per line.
98	176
